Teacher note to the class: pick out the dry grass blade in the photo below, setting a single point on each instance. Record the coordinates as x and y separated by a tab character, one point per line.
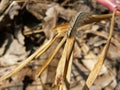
41	50
101	17
104	35
48	44
64	28
51	57
94	18
63	66
69	68
98	66
90	59
61	28
97	18
32	32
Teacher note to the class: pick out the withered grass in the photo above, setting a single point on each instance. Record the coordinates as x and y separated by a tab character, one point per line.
63	72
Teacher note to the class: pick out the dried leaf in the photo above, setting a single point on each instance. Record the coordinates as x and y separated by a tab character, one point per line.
62	74
37	9
50	21
16	52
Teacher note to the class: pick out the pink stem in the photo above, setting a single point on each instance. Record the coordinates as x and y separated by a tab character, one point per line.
110	4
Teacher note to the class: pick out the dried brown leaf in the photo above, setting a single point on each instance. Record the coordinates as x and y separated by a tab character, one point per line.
62	74
16	52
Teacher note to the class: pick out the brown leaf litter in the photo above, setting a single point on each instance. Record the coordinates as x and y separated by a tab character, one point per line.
36	45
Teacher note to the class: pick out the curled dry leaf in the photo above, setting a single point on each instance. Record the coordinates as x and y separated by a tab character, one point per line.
37	9
50	21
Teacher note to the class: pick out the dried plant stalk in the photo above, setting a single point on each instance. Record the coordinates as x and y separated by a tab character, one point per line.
62	79
93	75
62	69
51	57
